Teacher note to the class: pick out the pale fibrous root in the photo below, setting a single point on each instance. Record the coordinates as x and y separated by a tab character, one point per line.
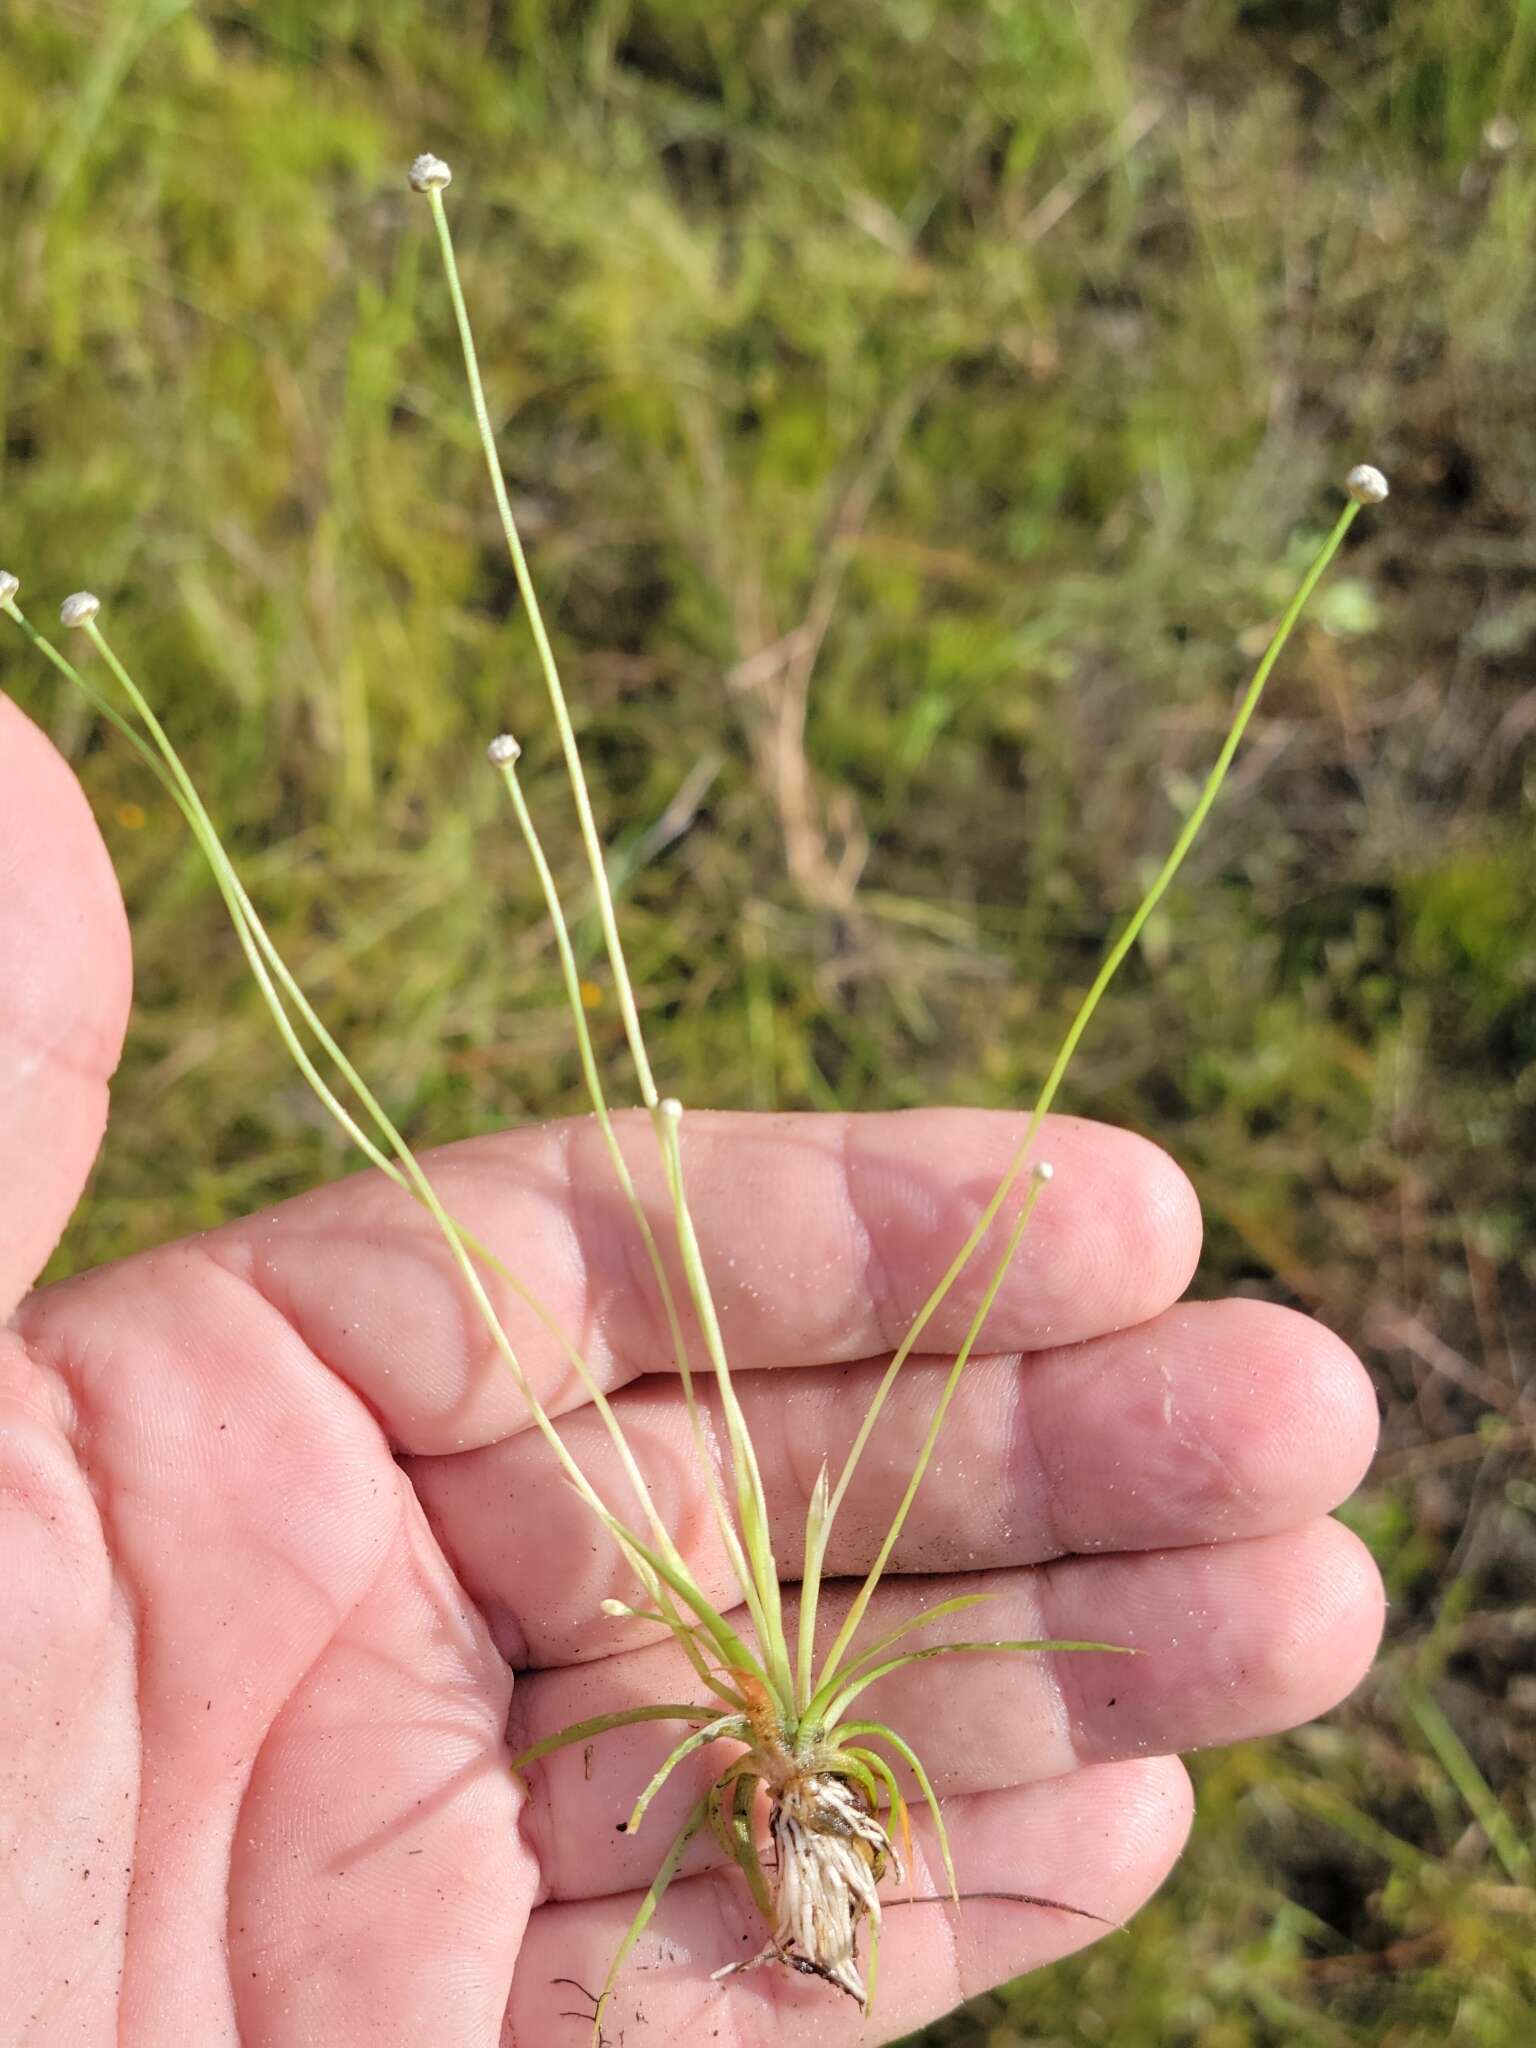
831	1852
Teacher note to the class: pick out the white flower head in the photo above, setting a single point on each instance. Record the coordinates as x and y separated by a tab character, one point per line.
1367	486
502	751
1500	133
9	585
80	609
429	173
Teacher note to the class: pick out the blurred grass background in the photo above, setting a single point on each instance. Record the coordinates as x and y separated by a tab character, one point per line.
916	409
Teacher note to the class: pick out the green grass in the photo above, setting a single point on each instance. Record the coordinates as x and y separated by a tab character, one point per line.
1002	353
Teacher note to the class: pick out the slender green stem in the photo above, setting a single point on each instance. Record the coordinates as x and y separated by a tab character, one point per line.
1112	963
763	1569
546	654
598	1098
739	1660
102	706
866	1592
261	952
751	1495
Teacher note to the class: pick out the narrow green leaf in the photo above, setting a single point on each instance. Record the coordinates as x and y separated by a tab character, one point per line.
653	1897
625	1717
850	1692
724	1725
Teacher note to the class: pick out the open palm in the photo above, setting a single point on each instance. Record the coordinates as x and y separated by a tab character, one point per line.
281	1563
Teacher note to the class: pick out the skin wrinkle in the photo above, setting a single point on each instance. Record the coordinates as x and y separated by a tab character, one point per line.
239	1990
562	1225
517	1657
238	1262
573	1219
53	1052
1043	1592
716	1452
533	1812
589	1182
250	1287
1191	1438
1024	1435
79	1432
41	1359
240	1987
876	1275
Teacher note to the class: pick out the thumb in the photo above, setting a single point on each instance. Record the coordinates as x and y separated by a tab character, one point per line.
65	977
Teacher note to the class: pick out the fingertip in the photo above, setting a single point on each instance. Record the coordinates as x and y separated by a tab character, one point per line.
1237	1418
1154	1797
64	994
1158	1227
63	929
1113	1238
1116	1238
1322	1624
1316	1427
1103	1839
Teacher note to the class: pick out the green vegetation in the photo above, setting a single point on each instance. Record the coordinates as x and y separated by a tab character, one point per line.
910	407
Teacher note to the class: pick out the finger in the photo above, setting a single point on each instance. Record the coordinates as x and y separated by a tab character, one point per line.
1103	1840
823	1236
64	980
378	1887
1212	1421
1237	1640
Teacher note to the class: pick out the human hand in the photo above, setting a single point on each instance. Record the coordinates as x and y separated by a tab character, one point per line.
274	1538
